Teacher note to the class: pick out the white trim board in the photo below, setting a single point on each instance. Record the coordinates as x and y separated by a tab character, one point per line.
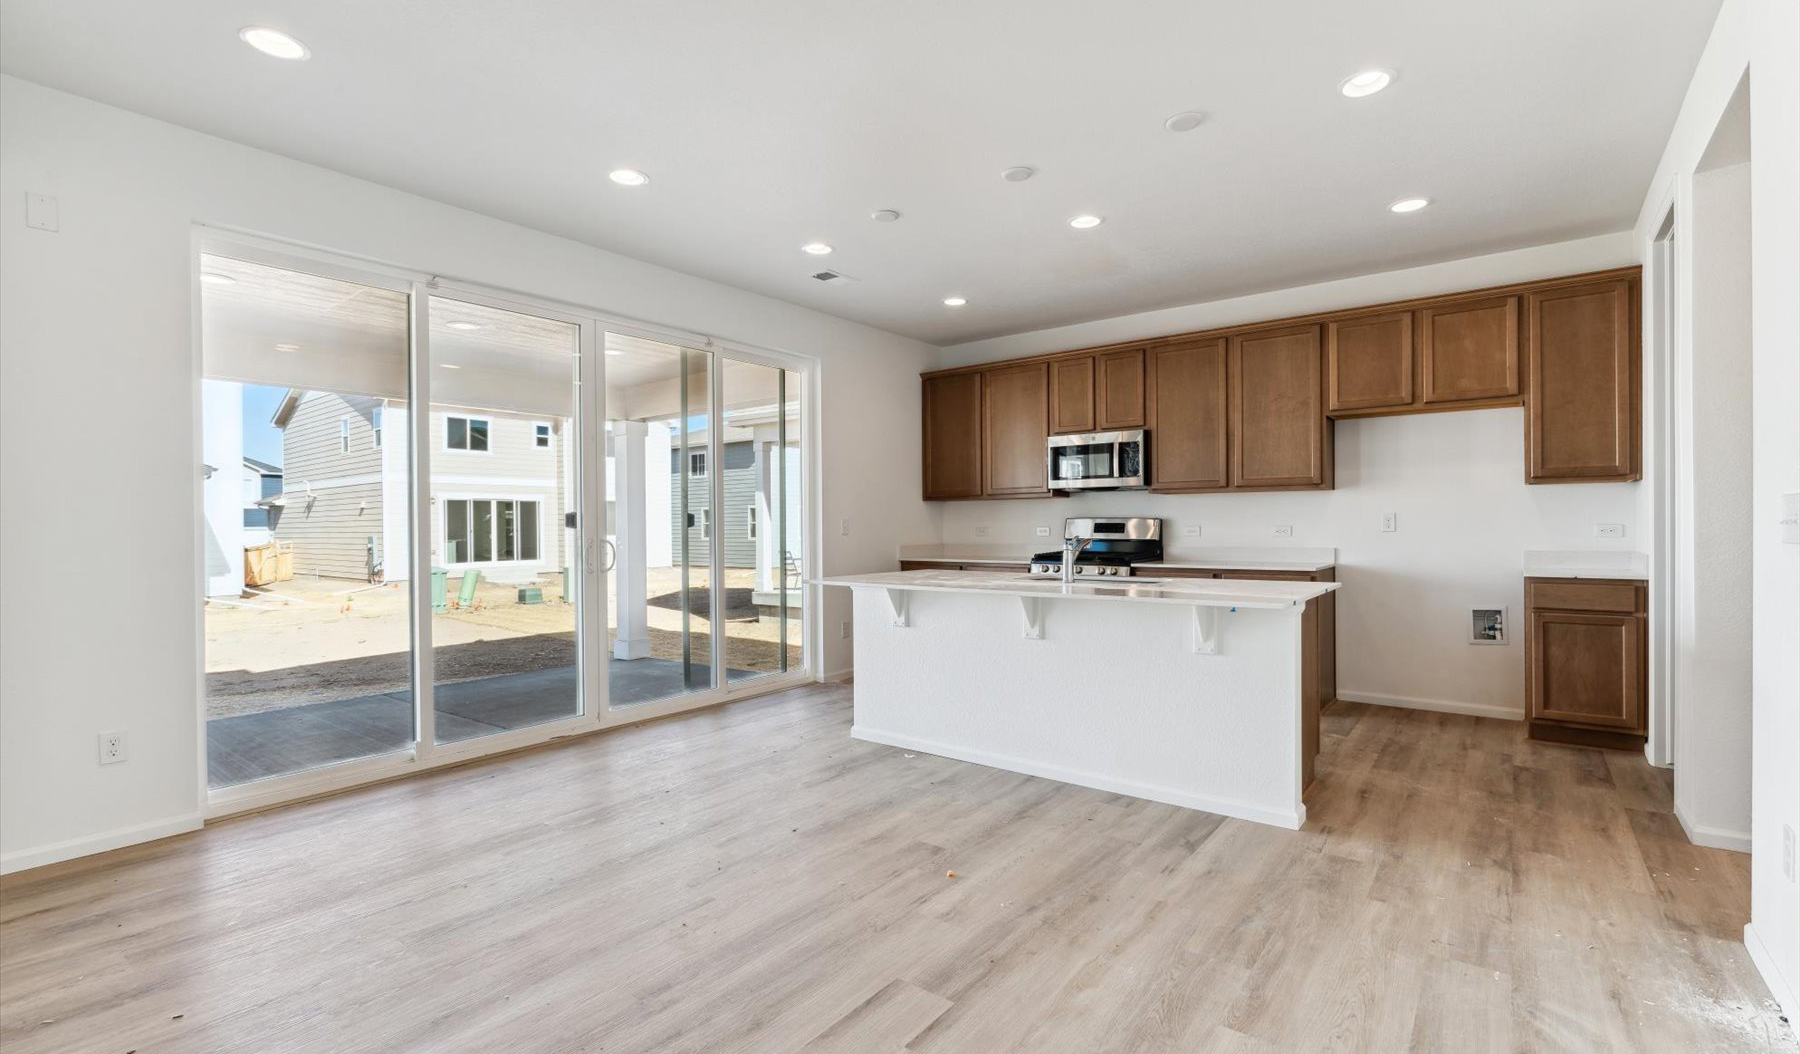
1219	806
1713	837
1442	706
1778	985
57	852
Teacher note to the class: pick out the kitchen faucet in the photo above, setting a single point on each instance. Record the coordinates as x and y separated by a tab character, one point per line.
1072	547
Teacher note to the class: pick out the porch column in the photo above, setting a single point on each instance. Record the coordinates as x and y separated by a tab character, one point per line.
629	470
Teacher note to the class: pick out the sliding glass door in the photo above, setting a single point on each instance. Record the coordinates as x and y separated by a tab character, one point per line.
506	565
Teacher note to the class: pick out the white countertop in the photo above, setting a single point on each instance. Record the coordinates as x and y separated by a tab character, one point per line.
1218	559
1189	591
1586	563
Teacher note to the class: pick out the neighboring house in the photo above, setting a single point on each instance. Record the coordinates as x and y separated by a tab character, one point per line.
742	507
262	481
498	481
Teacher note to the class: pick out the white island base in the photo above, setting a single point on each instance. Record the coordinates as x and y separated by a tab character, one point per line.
1196	693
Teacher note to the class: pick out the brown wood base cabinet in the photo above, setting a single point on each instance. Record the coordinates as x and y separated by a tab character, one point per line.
1586	661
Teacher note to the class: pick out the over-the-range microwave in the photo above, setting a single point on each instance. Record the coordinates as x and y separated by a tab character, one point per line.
1100	461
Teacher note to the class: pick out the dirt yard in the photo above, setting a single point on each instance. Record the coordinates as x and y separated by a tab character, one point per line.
315	640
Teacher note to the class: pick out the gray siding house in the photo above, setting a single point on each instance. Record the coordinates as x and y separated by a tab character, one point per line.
740	502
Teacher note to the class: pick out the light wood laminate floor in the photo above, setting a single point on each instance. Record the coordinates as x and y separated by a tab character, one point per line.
751	879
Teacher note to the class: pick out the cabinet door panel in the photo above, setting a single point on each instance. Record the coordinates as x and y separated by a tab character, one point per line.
1587	669
1277	409
1072	395
1015	406
1581	407
1119	398
1187	412
952	429
1369	361
1470	350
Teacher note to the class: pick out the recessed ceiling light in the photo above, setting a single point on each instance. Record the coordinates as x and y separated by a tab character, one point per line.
628	177
1085	221
465	326
1368	82
449	365
287	347
884	215
1018	173
1409	204
273	42
816	248
954	301
215	278
1186	121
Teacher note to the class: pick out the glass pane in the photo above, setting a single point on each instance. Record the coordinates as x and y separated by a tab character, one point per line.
658	605
504	633
307	615
457	434
761	461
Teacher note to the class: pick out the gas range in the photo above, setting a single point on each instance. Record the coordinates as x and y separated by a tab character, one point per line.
1116	545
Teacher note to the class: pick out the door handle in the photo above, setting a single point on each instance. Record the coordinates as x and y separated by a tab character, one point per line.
612	554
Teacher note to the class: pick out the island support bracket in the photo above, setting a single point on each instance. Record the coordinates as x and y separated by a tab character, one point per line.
898	598
1206	630
1034	617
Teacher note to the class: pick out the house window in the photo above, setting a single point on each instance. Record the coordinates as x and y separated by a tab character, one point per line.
254	518
697	463
466	433
490	530
375	419
344	435
705	518
542	436
750	524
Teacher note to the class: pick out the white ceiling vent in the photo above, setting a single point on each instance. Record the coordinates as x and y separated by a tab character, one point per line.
832	277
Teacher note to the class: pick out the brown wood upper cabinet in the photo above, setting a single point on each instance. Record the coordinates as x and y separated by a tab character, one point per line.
1015	422
1581	412
1097	393
1469	351
1186	400
1279	435
1072	395
1369	361
952	427
1119	395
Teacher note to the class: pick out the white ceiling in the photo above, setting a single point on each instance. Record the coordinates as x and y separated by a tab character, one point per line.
769	124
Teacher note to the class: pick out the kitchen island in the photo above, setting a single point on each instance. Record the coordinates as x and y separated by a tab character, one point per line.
1195	692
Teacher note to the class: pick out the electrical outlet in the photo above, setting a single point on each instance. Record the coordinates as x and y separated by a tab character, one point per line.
1043	532
1284	530
843	631
981	532
112	748
40	213
1609	530
1787	851
844	526
1390	522
1192	530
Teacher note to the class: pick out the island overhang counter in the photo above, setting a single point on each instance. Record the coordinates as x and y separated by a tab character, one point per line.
1194	692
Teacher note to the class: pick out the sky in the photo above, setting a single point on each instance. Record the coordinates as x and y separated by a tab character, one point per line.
262	440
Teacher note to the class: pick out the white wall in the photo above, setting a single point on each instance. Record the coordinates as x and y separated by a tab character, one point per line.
1456	481
1763	35
1712	560
101	312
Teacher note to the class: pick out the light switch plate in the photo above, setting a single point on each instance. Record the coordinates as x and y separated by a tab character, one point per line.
40	212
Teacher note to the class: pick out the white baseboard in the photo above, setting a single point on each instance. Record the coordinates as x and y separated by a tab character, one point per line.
1222	806
1442	706
1713	837
1778	985
834	676
56	853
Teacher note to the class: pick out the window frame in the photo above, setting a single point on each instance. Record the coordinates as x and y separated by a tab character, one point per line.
375	422
344	434
703	459
750	524
487	434
494	502
542	436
